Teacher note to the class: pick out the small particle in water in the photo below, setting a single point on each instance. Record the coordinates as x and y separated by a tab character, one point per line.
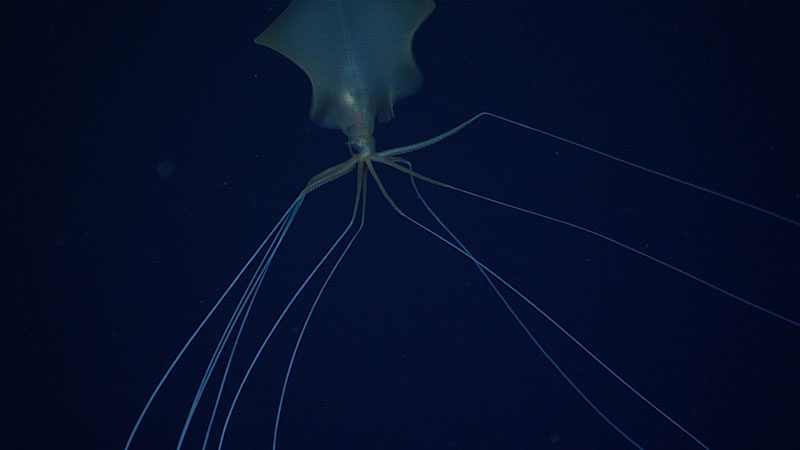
164	168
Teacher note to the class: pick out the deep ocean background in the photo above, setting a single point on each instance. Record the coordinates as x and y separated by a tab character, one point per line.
149	147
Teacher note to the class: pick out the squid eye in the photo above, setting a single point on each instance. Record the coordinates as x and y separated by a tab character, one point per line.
354	147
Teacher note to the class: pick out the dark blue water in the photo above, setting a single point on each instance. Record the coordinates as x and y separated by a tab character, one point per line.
149	149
